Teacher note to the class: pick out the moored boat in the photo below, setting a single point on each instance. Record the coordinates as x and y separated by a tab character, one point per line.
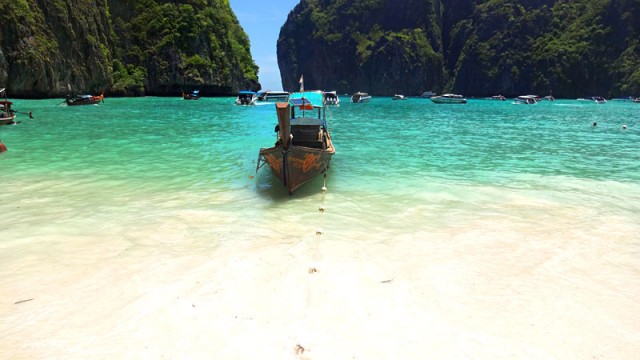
195	95
360	97
331	98
449	99
527	99
246	97
303	148
7	115
398	97
273	96
498	97
428	94
599	99
74	100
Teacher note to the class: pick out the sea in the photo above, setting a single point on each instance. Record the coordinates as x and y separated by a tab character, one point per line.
503	213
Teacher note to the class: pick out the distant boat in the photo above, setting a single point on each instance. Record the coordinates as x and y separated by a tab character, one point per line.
449	99
273	96
331	98
74	100
527	99
7	115
398	97
636	100
360	97
498	97
304	147
428	94
246	97
195	95
599	99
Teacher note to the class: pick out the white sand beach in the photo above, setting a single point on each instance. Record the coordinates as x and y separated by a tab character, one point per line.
512	278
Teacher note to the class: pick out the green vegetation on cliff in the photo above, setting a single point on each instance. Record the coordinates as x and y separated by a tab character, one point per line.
196	43
127	47
475	47
374	45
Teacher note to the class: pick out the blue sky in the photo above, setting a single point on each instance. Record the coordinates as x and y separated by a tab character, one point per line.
262	20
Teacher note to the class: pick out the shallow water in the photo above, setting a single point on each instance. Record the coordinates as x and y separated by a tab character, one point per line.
489	210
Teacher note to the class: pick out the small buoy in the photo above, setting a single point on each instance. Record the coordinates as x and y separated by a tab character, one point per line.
624	127
319	231
3	148
321	209
250	176
324	188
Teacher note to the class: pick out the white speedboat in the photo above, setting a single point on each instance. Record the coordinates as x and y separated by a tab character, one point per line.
399	97
273	96
526	99
331	98
449	99
360	97
246	98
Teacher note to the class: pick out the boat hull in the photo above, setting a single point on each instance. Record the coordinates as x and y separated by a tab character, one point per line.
441	100
77	103
298	165
88	100
7	120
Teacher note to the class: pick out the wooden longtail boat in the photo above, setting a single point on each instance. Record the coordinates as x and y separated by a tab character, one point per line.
304	147
74	100
7	114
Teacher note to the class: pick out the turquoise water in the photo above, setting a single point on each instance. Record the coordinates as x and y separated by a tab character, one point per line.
139	226
388	152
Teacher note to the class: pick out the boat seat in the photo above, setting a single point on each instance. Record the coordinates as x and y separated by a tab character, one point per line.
307	135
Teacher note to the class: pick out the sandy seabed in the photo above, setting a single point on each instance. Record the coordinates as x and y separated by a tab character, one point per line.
205	285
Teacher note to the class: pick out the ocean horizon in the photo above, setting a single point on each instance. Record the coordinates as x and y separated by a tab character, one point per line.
140	228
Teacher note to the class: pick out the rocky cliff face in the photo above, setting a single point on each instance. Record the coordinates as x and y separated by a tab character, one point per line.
474	47
49	48
375	46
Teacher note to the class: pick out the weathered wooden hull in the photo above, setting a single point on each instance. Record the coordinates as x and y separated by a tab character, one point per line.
87	101
77	103
298	165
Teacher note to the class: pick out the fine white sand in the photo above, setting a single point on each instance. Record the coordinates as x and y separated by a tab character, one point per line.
521	281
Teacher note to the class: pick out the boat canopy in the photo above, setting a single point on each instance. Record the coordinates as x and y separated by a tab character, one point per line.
307	99
246	92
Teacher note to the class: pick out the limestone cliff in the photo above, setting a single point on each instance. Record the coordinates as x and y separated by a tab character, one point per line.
49	48
382	47
475	47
